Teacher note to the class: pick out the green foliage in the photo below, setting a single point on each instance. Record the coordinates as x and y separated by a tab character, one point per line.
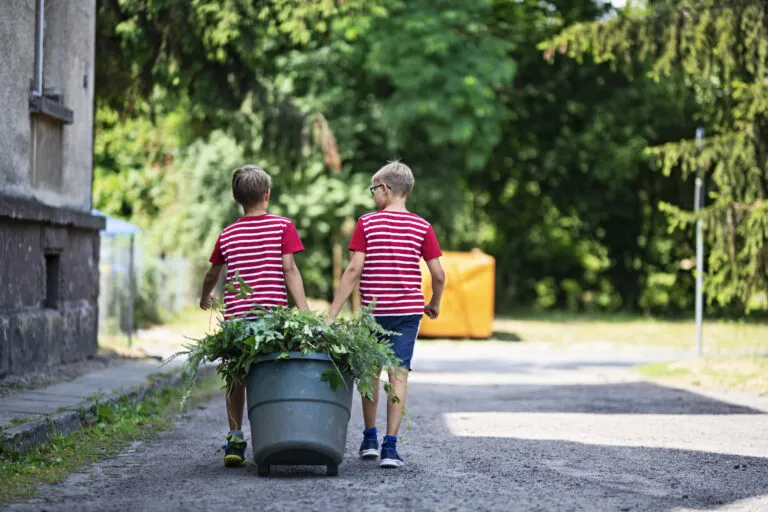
132	159
721	50
444	68
542	166
203	203
107	429
354	345
569	192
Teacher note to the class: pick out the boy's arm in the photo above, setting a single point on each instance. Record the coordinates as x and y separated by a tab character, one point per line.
432	310
348	281
293	281
209	283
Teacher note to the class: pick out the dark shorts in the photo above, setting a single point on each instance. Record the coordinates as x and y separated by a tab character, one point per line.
407	329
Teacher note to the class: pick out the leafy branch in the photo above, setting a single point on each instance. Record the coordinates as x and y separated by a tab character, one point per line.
354	346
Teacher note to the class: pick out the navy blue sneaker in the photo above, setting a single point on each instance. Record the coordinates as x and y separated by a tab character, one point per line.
389	456
234	449
369	448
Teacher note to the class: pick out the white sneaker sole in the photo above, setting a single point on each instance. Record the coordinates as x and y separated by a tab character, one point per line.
370	453
391	463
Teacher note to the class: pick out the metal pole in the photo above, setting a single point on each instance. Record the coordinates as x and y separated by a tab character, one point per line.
39	34
130	293
698	203
179	285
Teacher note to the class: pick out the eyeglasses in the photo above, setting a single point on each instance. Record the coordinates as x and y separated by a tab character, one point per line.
373	188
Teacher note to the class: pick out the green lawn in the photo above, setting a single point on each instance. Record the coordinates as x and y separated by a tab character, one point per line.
719	336
739	373
736	351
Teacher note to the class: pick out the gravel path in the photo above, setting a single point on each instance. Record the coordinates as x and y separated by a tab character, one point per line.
495	426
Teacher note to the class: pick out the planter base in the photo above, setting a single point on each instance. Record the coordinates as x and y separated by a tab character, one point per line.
296	419
264	470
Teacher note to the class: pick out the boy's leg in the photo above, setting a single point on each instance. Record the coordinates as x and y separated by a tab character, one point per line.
403	343
370	406
234	449
398	379
236	404
369	448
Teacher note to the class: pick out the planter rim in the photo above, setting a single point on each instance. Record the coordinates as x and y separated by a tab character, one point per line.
316	356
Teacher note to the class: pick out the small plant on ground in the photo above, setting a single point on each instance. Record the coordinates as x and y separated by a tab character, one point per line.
15	422
107	431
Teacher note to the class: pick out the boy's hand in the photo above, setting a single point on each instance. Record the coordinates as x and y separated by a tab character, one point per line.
432	310
206	302
209	283
329	320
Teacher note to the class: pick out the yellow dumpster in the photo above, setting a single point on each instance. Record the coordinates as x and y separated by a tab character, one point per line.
466	310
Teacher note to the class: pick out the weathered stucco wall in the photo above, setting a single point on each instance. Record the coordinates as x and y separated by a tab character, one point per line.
17	47
68	70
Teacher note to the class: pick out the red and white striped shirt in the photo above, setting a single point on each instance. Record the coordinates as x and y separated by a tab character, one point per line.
394	243
254	247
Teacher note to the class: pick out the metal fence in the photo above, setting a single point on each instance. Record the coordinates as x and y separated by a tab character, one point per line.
135	288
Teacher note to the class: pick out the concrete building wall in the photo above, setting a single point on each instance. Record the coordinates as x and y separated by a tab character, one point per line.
63	152
49	242
38	328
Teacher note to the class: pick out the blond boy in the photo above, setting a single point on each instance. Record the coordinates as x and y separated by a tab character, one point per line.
387	246
259	247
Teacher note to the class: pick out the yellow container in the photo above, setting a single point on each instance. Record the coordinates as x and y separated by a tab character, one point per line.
466	310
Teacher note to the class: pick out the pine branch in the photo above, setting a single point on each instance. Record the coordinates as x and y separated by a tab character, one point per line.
657	12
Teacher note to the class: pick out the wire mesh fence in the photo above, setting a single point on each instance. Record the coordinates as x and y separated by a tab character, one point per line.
135	288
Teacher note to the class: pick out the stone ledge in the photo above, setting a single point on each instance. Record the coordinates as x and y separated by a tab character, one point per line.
50	108
30	209
25	437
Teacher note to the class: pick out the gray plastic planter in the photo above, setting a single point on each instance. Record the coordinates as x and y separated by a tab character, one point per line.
296	419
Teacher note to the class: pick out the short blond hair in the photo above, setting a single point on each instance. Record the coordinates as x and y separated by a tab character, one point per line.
397	176
250	184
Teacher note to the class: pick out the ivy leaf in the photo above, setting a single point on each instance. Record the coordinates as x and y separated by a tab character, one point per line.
333	378
365	388
392	396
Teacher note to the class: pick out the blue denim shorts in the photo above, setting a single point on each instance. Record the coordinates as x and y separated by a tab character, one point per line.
407	329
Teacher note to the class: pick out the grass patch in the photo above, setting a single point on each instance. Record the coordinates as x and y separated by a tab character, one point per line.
736	373
719	336
663	370
15	422
14	387
112	428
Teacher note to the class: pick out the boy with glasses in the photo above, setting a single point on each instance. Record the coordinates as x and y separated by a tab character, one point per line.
387	247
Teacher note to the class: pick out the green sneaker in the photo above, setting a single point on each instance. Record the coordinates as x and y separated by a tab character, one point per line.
234	449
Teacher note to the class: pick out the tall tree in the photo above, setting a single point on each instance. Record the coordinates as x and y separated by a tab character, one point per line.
722	50
561	189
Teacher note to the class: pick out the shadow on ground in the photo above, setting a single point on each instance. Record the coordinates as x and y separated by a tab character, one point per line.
610	398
